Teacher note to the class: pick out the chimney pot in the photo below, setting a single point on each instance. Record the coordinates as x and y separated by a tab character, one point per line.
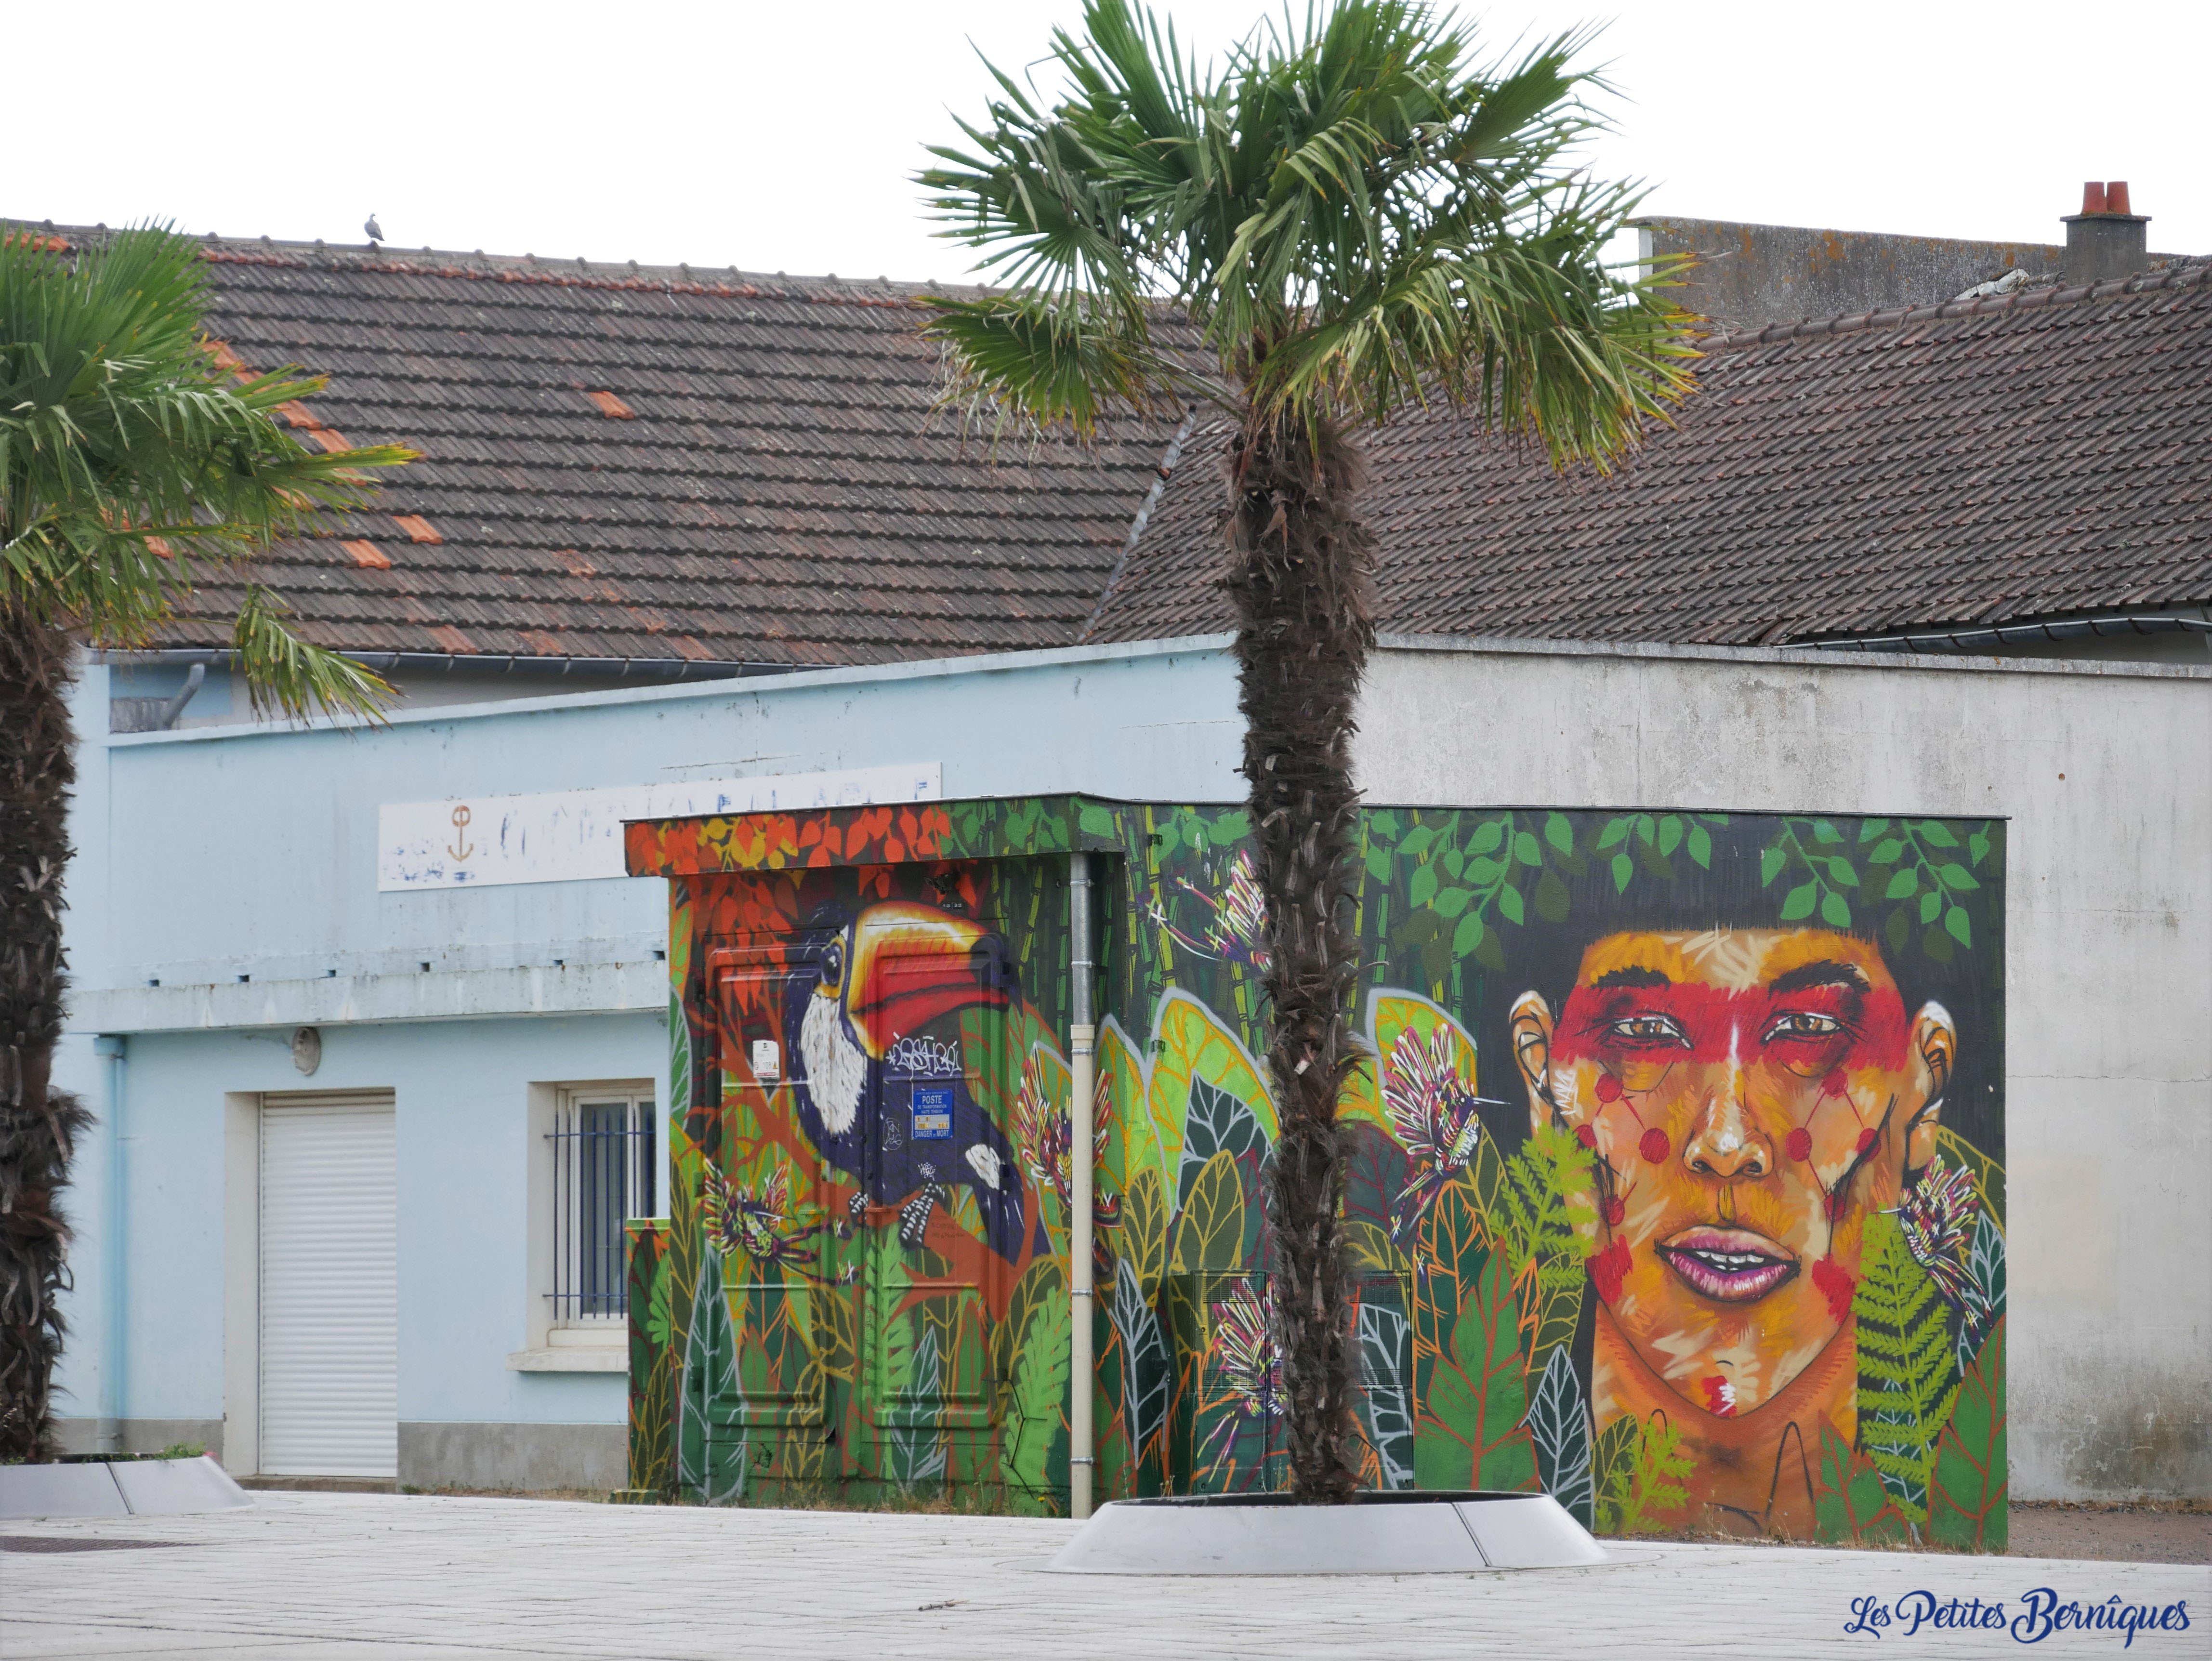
2092	197
2116	197
2105	239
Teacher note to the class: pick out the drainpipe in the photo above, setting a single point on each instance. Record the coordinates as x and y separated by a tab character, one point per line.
1081	1034
195	678
110	1047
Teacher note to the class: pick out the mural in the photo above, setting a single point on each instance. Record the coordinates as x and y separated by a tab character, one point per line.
1675	1188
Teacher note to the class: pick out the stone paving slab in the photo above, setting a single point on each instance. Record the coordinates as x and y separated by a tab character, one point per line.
363	1578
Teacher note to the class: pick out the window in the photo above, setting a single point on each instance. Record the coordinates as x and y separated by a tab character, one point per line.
603	1165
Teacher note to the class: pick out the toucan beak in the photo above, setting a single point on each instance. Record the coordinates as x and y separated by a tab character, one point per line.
911	964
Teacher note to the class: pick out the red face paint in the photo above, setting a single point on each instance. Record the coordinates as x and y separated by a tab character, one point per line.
1608	1088
1799	1143
1835	1284
1608	1269
1817	1031
1867	1138
1720	1397
1586	1135
1654	1147
1615	1213
1835	1084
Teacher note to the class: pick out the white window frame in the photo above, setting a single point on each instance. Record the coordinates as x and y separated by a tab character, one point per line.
555	1206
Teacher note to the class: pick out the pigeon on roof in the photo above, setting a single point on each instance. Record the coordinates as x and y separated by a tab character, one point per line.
375	231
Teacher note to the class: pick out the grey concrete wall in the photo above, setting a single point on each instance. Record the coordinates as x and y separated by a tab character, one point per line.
1751	275
528	1457
2106	773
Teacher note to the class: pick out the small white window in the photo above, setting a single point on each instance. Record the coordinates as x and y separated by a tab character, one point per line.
603	1167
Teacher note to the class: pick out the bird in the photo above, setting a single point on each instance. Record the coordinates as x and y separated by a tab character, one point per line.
865	988
375	231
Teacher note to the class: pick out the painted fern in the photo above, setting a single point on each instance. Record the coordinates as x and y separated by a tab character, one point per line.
1908	1377
1642	1476
1538	1214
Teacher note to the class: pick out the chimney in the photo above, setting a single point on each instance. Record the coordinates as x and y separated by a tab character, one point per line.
2105	239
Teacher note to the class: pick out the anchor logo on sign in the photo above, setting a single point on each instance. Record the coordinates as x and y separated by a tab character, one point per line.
461	834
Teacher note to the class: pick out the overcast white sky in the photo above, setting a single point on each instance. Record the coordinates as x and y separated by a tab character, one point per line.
780	136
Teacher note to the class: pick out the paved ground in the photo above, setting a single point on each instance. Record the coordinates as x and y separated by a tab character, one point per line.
355	1578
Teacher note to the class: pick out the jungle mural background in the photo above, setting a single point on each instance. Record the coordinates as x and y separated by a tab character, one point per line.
1677	1180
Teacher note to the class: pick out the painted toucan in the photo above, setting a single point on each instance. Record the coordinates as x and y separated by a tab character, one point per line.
882	976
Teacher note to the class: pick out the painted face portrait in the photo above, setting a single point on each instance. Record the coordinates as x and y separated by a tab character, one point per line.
1751	1097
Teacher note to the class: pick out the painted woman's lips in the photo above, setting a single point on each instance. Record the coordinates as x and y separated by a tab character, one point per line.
1732	1264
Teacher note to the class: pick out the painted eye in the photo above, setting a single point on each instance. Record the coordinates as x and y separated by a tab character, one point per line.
833	964
1648	1029
1800	1024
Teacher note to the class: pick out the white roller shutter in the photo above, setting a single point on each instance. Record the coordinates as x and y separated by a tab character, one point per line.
329	1289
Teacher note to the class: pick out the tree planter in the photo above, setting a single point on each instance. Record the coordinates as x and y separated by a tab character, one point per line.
1433	1533
128	1487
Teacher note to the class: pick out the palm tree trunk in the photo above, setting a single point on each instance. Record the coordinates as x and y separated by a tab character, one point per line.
1301	577
38	1125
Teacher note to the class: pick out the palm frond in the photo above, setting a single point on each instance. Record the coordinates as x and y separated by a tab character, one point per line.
133	466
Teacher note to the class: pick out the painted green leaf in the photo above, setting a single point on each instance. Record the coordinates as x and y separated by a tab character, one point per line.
1835	911
1613	831
1823	832
1935	834
1701	847
1505	1458
1417	842
1386	1377
1450	901
1423	887
1623	869
1508	904
1378	864
1487	836
1096	821
1559	1427
1799	901
1559	832
1552	898
1885	851
1770	865
1209	1233
1670	833
1851	1508
1968	1509
1955	924
1613	1462
1145	1368
1902	882
1957	876
1525	849
1978	845
1217	1122
1930	903
1869	829
1841	874
1468	935
1039	1386
1482	873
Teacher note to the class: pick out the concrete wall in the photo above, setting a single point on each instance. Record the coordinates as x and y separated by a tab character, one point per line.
2108	779
1747	276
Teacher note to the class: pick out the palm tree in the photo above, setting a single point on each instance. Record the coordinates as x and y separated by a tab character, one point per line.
1348	218
131	460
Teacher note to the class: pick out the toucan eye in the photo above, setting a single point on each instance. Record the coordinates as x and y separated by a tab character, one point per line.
833	964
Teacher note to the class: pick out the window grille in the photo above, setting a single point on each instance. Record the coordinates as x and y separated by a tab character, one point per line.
603	1169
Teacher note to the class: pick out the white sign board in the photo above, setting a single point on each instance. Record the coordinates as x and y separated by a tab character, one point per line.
574	835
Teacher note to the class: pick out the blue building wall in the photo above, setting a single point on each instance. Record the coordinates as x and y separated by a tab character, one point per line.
224	892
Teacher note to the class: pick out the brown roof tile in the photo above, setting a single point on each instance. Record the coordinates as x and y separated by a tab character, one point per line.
2025	456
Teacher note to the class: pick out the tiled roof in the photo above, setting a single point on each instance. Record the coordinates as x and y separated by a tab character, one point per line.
2025	456
660	463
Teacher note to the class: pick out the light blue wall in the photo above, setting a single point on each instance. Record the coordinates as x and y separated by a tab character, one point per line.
213	852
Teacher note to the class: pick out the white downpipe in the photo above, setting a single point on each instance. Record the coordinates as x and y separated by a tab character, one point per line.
1083	1033
110	1433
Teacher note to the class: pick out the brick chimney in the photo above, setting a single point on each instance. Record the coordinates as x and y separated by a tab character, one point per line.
2105	239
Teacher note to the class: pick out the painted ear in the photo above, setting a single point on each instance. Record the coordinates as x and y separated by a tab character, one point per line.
1935	1041
1532	1049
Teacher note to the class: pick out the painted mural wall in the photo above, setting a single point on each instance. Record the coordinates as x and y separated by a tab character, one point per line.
1676	1181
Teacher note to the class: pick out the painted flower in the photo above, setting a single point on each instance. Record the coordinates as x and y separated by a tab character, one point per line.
1247	1369
1937	1215
1238	930
1045	1136
1436	1116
